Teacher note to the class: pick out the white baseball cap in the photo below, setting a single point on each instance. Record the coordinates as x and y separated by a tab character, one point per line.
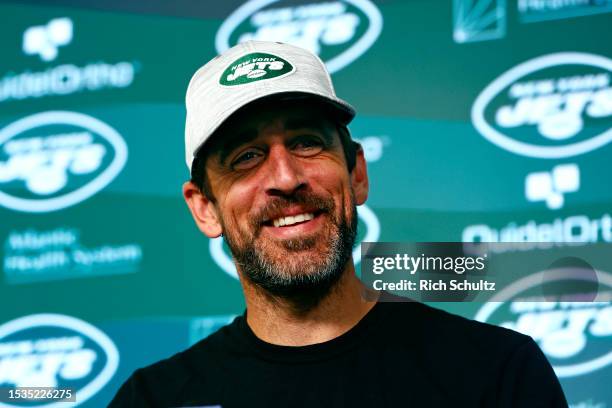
249	72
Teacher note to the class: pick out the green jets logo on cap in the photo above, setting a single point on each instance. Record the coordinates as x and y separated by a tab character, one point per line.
255	67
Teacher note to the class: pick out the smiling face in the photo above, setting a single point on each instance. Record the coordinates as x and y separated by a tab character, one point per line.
285	200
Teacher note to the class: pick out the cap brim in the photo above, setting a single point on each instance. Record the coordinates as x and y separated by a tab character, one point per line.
338	109
341	110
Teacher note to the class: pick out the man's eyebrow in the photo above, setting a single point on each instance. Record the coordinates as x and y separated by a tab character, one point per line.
305	123
311	123
243	136
235	140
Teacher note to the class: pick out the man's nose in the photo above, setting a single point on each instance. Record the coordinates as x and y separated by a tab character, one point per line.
284	172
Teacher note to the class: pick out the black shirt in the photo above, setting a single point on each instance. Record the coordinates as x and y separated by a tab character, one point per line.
398	355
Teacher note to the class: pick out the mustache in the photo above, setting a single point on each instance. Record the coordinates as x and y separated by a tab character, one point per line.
278	204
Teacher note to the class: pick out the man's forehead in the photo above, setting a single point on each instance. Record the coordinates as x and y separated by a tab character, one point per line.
246	125
291	116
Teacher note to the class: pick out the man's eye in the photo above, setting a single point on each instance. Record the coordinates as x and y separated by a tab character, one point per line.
308	145
246	160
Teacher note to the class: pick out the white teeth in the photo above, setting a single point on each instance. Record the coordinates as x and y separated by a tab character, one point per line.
290	220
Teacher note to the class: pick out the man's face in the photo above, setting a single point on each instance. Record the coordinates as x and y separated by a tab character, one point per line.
284	198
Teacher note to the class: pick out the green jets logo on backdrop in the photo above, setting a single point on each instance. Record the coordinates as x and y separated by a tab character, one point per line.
553	106
58	351
56	159
255	67
573	333
339	32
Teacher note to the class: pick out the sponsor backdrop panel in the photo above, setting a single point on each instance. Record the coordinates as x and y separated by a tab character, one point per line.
480	120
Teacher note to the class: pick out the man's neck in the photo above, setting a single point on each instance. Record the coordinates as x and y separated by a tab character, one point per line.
274	321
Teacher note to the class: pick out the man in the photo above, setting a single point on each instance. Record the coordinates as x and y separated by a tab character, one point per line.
275	172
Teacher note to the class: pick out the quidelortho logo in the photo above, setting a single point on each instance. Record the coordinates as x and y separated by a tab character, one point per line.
368	222
551	186
52	350
45	40
255	67
554	106
575	336
568	231
67	77
56	159
338	31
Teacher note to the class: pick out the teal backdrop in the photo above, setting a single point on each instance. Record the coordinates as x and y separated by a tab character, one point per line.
481	120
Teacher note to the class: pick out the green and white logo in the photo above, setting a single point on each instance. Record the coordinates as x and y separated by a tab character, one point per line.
574	335
59	351
337	31
55	159
551	107
255	67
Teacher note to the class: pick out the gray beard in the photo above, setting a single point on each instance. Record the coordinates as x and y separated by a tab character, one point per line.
302	290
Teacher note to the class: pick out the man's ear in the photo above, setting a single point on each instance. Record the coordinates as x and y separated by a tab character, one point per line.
203	210
359	177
